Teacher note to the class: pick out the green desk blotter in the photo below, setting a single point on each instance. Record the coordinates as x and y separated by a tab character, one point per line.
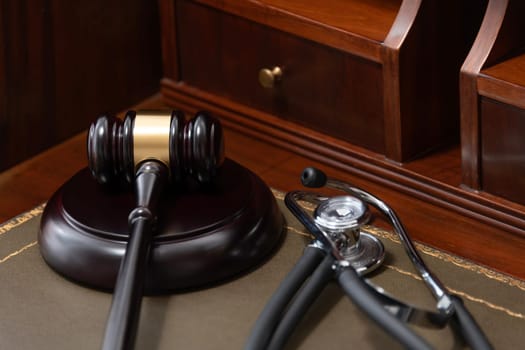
42	310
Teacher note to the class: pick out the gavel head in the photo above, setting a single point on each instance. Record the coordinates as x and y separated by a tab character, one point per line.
116	148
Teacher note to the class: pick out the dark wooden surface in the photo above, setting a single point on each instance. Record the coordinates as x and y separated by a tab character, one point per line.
62	61
35	180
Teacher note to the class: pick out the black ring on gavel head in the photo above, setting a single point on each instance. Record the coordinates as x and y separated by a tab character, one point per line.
196	148
202	147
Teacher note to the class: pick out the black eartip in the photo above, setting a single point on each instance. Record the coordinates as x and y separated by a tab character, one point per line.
312	177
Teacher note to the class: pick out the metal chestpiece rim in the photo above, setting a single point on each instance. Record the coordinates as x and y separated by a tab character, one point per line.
342	217
341	213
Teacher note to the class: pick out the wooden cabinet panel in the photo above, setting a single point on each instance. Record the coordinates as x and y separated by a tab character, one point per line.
503	150
64	62
491	69
492	104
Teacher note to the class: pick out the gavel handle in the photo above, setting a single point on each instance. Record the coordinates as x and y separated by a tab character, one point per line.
122	324
124	314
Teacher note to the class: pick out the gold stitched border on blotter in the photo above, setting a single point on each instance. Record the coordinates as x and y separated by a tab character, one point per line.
385	234
397	269
455	291
462	294
16	252
21	219
455	260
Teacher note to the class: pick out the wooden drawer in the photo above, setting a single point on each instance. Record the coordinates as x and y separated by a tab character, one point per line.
321	88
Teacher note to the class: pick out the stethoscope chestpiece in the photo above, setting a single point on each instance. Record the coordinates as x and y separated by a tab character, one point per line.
336	225
341	218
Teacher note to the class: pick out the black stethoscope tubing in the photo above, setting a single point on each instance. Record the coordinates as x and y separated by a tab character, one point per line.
448	304
297	292
277	321
272	312
298	307
357	290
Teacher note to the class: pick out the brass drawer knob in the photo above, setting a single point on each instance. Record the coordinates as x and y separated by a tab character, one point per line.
268	78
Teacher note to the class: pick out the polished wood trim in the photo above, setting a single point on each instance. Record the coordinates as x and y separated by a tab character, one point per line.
338	154
371	19
470	128
494	51
390	51
403	23
279	17
504	82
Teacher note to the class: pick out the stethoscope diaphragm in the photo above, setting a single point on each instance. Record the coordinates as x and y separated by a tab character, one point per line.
341	218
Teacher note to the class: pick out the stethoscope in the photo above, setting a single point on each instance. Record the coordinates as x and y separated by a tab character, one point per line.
342	251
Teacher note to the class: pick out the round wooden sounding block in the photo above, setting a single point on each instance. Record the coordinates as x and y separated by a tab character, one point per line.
203	235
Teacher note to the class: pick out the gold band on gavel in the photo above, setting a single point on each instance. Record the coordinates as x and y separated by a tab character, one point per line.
151	136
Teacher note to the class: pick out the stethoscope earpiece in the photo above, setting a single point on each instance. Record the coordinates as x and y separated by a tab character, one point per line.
313	178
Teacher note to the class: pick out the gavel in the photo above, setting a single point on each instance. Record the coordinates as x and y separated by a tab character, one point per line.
149	150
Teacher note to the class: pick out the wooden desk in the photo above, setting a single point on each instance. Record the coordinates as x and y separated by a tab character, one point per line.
32	182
